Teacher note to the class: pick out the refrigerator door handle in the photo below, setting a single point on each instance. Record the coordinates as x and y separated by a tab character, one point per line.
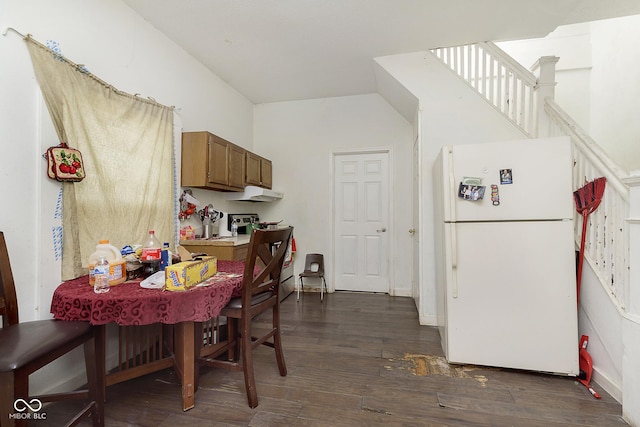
454	262
452	188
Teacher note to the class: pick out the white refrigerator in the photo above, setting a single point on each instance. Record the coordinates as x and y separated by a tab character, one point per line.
505	255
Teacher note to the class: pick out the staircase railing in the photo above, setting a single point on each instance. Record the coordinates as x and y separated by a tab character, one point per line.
502	81
527	102
607	242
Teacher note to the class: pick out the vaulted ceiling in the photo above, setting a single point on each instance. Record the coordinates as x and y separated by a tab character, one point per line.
282	50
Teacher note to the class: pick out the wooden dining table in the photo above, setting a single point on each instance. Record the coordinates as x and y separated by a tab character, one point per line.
130	305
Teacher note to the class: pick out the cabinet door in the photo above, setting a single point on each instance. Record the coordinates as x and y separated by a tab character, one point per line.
236	166
253	169
265	173
194	170
218	161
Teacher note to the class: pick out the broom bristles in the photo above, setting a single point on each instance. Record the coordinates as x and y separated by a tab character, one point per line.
590	195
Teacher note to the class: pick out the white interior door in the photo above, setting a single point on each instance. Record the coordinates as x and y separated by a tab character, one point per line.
361	218
415	229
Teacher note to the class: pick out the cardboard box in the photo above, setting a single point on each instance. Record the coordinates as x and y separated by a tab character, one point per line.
185	275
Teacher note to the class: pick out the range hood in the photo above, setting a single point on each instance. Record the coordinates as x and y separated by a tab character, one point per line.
252	193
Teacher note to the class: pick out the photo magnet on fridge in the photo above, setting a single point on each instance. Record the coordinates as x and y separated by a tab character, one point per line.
473	193
506	177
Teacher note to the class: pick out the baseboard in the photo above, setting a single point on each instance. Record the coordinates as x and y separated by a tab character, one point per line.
401	292
428	320
606	384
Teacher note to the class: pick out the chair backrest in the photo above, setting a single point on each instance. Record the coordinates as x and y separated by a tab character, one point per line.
314	263
269	248
8	299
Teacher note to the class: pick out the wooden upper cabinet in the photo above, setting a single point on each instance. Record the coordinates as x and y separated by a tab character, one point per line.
266	173
258	171
218	168
252	176
209	161
236	166
195	159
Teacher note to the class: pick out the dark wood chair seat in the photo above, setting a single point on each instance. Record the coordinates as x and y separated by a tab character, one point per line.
27	347
25	342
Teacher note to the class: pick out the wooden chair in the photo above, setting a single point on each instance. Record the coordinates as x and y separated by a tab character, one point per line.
260	292
27	347
314	267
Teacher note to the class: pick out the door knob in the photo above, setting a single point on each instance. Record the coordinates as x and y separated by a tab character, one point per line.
412	231
382	230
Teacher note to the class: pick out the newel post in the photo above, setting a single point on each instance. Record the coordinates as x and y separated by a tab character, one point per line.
545	71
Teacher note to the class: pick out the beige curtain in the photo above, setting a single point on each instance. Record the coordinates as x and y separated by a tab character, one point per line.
127	147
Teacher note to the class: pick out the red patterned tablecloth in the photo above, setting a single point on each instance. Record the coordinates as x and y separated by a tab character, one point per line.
130	304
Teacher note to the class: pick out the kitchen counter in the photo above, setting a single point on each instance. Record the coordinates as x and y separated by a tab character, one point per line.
242	239
225	248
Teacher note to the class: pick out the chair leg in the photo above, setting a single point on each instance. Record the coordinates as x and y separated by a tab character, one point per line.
246	353
198	333
19	382
95	380
300	287
323	288
232	337
277	341
6	397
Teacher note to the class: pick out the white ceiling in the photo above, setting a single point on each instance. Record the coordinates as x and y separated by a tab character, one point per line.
282	50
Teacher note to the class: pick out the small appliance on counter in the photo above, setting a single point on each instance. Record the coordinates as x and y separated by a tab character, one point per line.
209	216
223	225
242	221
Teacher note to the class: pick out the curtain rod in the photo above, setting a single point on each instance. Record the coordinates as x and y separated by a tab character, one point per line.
5	30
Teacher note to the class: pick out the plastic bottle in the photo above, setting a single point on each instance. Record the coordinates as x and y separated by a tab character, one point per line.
101	275
117	266
234	230
151	248
165	258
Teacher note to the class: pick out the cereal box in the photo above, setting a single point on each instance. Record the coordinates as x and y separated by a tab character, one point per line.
184	275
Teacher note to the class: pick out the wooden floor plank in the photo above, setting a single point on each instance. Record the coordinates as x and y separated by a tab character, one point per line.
359	359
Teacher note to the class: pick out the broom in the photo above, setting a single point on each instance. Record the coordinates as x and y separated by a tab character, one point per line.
587	200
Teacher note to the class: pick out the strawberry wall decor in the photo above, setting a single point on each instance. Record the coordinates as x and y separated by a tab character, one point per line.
64	163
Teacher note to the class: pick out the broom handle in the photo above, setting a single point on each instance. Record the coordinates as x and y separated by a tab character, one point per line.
585	215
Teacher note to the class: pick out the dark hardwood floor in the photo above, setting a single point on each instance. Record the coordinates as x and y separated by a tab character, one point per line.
359	359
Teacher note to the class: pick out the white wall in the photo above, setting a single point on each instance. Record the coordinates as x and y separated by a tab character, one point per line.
450	113
615	89
597	80
120	48
300	137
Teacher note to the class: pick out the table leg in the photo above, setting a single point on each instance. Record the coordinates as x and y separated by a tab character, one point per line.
185	362
101	351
